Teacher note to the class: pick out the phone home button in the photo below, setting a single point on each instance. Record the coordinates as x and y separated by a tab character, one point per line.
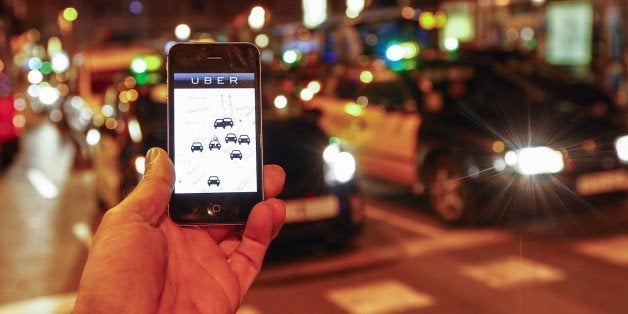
213	209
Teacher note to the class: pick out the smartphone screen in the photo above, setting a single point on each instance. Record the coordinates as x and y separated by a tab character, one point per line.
214	132
214	119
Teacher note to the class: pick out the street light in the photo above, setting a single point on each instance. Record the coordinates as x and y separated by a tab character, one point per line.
257	18
314	12
354	8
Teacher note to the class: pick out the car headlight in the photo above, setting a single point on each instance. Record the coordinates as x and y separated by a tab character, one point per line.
340	166
535	160
621	146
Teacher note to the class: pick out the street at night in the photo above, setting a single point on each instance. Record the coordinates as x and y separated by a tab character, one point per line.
314	156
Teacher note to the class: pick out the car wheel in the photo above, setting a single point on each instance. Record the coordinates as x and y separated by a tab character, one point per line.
448	189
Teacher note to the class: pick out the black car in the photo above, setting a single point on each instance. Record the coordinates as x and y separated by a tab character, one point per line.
223	123
214	143
244	139
320	192
519	141
230	137
235	154
213	180
481	140
197	146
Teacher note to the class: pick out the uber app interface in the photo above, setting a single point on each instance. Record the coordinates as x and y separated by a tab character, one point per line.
214	133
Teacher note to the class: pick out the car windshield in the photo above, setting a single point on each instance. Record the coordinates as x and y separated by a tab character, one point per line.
503	103
386	89
566	94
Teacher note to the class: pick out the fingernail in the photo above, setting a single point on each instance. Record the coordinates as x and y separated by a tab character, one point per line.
151	155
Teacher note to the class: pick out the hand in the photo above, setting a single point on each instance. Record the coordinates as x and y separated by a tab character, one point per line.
141	262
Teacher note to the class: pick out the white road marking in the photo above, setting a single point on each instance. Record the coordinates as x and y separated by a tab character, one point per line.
464	239
383	296
403	223
433	237
613	249
512	271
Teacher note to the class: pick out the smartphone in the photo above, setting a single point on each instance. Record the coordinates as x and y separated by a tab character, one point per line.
214	132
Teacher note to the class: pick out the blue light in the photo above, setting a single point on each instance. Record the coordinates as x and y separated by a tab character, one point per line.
136	7
34	63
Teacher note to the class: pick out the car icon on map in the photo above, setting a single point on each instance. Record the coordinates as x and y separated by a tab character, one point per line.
235	154
231	138
223	123
213	180
244	139
197	146
214	143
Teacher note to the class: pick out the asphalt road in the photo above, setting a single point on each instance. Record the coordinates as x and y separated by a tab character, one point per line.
407	262
404	261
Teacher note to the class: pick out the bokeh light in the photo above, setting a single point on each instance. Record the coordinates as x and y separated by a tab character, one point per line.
70	14
182	32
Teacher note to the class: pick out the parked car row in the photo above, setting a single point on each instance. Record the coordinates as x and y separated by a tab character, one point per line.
481	138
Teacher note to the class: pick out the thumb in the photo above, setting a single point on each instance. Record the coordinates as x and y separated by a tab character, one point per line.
150	197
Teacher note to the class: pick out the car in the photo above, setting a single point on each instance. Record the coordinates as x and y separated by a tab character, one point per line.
213	180
9	133
235	154
244	139
197	146
323	202
481	140
227	122
230	137
214	143
223	123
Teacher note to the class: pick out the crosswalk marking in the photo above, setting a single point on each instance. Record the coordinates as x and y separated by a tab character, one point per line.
403	223
512	271
613	249
383	296
434	238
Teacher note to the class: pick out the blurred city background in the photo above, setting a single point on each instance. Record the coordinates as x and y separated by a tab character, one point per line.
441	156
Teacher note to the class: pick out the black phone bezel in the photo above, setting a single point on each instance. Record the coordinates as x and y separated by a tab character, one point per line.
201	208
